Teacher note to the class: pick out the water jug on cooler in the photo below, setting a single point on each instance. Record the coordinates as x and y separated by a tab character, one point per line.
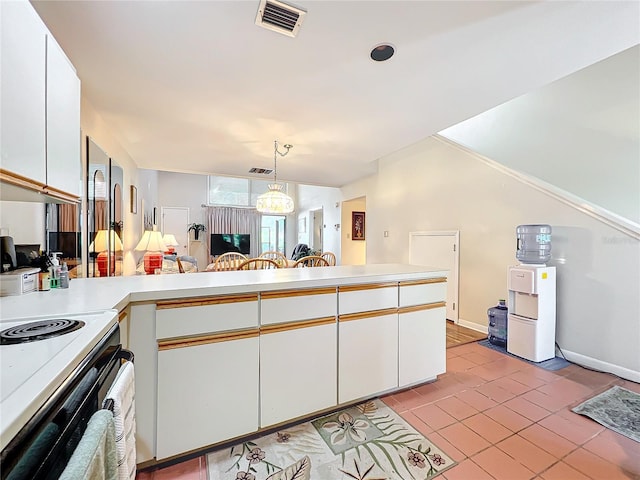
533	244
498	323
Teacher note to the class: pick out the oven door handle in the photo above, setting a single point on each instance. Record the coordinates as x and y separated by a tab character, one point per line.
126	355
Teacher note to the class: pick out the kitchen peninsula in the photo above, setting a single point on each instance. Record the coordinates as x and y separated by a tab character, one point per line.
221	355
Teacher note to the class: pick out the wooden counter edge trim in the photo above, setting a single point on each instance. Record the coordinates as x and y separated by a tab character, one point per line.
203	301
206	339
122	315
425	281
61	194
418	308
361	315
283	327
297	293
365	286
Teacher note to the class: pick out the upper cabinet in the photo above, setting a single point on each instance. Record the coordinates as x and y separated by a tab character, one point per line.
23	87
40	114
64	168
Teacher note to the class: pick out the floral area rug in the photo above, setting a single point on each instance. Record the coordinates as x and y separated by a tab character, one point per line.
365	442
617	409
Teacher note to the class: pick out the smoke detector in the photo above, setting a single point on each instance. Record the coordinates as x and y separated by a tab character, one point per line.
280	17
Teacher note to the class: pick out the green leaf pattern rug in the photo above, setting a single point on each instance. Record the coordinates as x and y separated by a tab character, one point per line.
365	442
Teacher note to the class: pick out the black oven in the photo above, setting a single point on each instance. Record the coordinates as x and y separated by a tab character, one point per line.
43	447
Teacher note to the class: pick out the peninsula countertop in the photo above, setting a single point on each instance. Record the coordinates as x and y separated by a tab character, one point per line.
95	294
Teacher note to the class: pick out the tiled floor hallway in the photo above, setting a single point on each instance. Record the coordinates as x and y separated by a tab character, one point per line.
502	418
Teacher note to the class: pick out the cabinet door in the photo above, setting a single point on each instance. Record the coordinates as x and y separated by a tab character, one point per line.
63	122
297	370
367	354
207	393
22	91
422	344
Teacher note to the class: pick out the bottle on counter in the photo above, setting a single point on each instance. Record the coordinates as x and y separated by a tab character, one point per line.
63	278
44	284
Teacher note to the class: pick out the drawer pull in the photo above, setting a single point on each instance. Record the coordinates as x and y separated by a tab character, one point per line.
366	286
283	327
297	293
370	314
425	281
206	339
203	301
418	308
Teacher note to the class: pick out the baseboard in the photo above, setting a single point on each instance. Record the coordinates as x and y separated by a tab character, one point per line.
596	364
473	325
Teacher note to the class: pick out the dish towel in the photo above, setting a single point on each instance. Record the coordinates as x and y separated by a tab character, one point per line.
122	392
95	456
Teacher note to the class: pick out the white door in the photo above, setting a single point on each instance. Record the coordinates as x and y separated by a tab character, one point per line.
175	220
440	250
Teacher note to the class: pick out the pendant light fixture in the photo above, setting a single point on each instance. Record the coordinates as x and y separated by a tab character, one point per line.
275	201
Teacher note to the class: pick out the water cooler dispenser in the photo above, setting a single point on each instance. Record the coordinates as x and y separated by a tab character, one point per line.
532	296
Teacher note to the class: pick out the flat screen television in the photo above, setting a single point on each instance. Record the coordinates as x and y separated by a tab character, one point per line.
230	242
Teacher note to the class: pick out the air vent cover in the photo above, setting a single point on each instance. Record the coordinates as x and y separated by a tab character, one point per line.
280	17
261	171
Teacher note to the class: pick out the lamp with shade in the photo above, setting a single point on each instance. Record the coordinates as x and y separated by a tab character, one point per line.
151	243
275	200
106	242
170	241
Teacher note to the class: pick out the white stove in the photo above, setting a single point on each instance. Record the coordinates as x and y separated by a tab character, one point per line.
31	371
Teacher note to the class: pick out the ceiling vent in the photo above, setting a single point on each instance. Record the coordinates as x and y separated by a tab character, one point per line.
261	171
280	17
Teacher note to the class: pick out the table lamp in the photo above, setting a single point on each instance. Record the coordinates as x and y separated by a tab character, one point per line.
106	256
151	243
170	241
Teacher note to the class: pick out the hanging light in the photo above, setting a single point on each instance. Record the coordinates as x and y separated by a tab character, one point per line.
275	201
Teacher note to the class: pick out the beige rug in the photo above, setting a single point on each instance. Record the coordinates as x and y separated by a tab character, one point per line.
366	442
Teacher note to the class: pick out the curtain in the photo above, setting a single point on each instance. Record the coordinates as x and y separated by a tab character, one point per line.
68	217
235	220
100	215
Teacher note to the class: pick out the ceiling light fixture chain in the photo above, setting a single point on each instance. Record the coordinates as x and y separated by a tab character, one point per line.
275	157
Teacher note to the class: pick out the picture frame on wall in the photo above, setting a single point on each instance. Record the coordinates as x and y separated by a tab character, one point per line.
133	207
357	225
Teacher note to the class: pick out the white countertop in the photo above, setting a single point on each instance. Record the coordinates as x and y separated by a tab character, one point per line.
93	294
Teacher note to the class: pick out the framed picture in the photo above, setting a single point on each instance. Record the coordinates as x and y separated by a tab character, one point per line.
302	225
357	225
134	199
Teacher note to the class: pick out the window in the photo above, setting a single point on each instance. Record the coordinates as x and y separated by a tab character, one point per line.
236	192
272	233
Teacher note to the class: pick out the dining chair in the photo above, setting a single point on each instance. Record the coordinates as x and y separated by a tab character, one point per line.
330	257
279	257
311	261
228	261
258	264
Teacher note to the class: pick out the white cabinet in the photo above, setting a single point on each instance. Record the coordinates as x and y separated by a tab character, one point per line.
422	330
22	86
422	335
40	114
297	371
64	167
208	371
298	353
207	393
367	353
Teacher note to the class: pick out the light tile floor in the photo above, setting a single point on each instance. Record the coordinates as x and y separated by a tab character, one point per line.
502	418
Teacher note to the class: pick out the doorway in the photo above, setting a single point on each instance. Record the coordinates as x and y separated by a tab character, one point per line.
316	227
353	250
440	250
175	220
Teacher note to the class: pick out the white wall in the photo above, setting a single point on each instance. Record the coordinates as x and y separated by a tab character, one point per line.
190	191
580	133
312	197
94	126
354	252
13	219
434	186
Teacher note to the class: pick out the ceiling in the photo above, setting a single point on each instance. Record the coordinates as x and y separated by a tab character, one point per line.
196	86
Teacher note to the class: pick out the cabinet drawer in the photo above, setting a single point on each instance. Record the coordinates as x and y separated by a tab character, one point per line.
297	305
207	315
422	292
362	298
